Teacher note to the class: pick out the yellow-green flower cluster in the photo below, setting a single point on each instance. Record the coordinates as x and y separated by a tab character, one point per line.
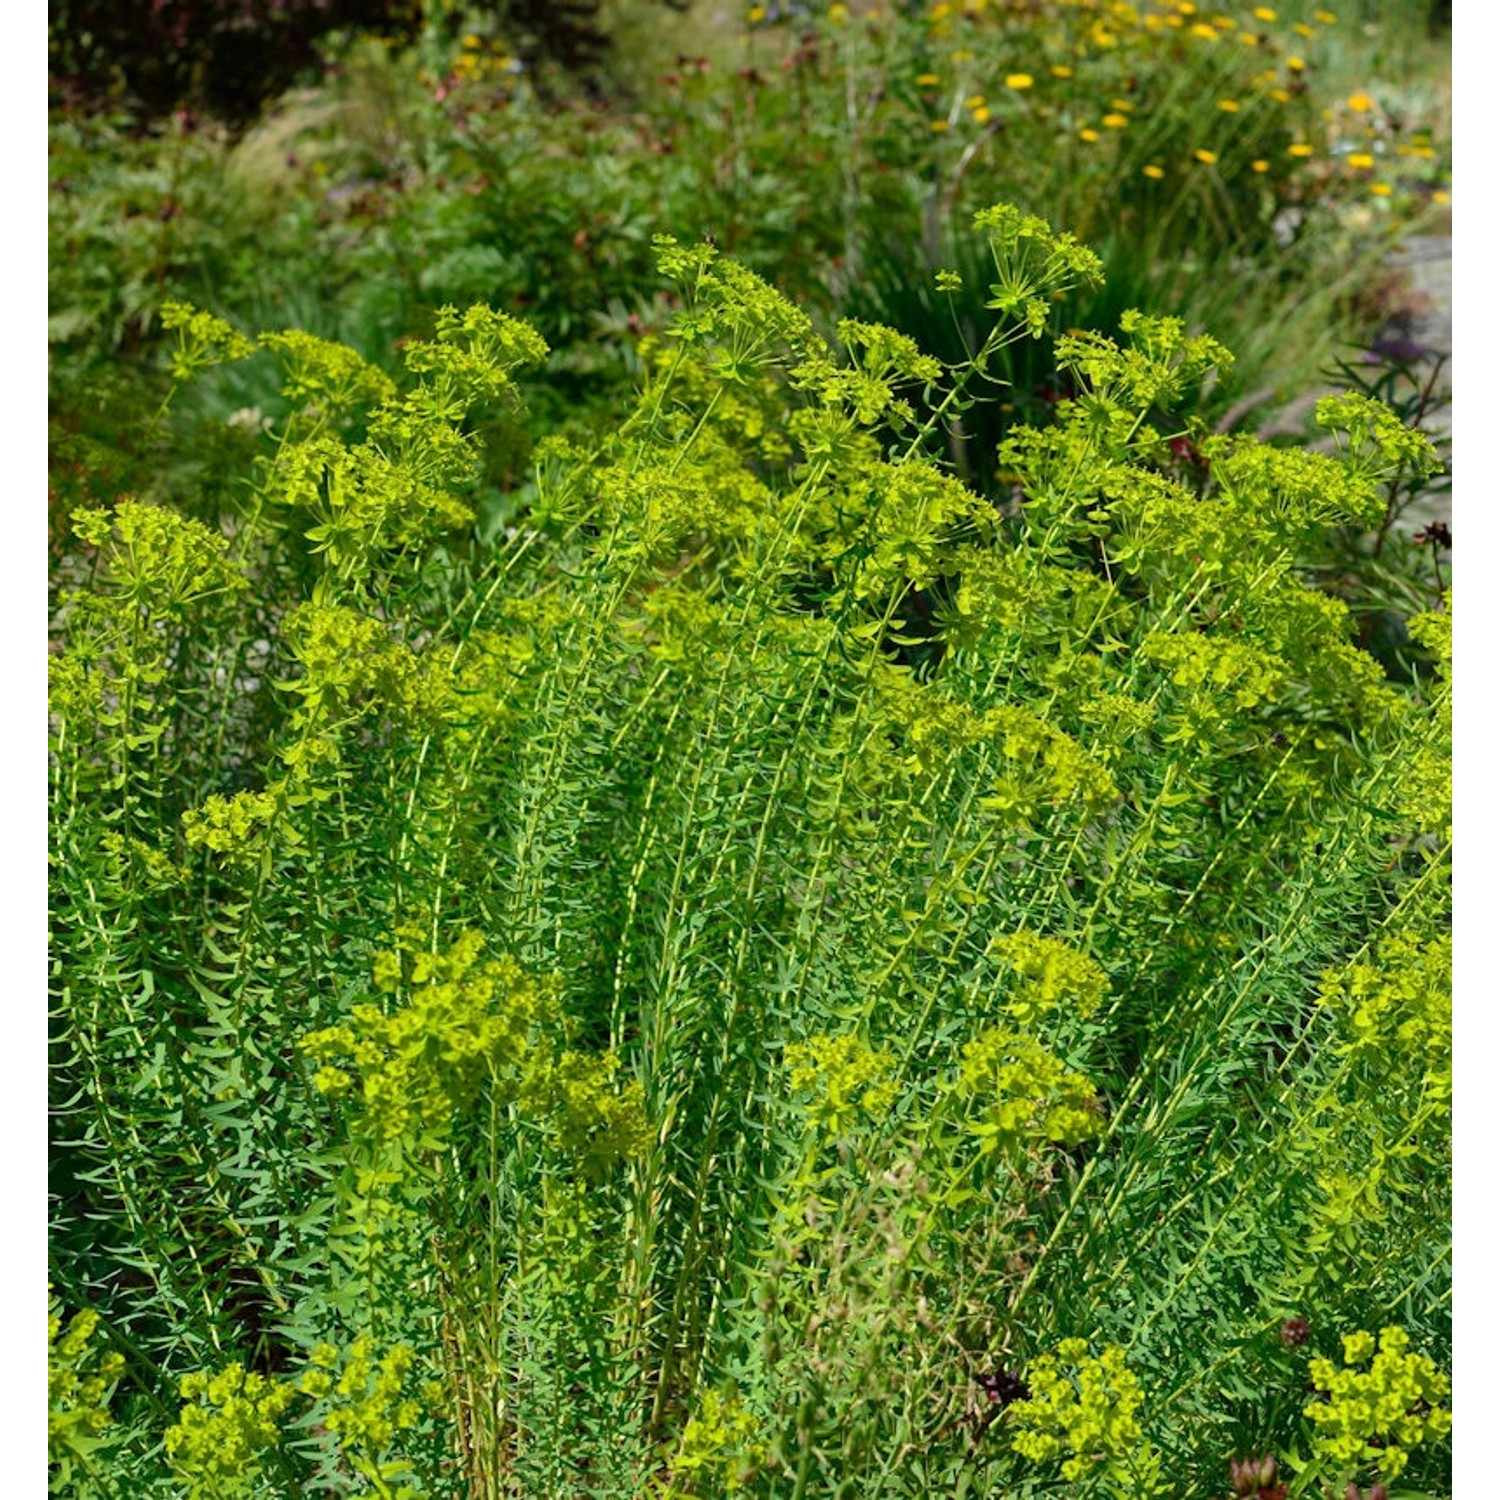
368	1403
1083	1409
1048	973
1377	1415
230	825
159	559
468	1023
1424	792
1016	1093
842	1077
1378	441
1033	264
1219	676
751	325
419	1066
1156	365
332	377
202	340
1399	1007
348	657
1051	767
80	1378
229	1422
719	1451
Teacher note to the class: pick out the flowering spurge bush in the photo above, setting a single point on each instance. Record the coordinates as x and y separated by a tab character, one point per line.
743	974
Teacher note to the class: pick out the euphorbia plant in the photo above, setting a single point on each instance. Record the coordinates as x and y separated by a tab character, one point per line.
785	974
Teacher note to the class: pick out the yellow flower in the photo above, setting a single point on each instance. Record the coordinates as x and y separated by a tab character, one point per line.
838	13
1224	23
1249	38
1303	29
1280	96
1327	17
962	55
1263	13
1230	106
756	14
973	101
1295	64
1187	8
981	115
1260	166
1121	104
1204	30
1361	159
1155	173
939	125
1442	197
1299	148
1019	80
1381	189
1208	158
1088	135
471	43
1116	122
927	80
1060	70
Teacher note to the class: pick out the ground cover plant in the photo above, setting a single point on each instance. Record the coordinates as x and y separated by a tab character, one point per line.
767	970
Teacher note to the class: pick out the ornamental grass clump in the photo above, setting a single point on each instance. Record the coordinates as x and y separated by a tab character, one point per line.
779	973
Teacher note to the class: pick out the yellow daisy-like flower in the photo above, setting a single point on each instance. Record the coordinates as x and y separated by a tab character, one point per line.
1224	23
1205	31
1116	122
1442	197
756	14
973	101
981	115
1019	80
1061	70
1260	166
1381	189
1187	8
1263	13
1155	173
471	43
1249	38
1299	148
1230	106
1121	104
1295	64
939	126
1361	159
1280	96
1327	17
1208	158
927	80
1303	29
1088	135
837	13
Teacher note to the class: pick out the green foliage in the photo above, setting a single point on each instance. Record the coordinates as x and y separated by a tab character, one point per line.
692	987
